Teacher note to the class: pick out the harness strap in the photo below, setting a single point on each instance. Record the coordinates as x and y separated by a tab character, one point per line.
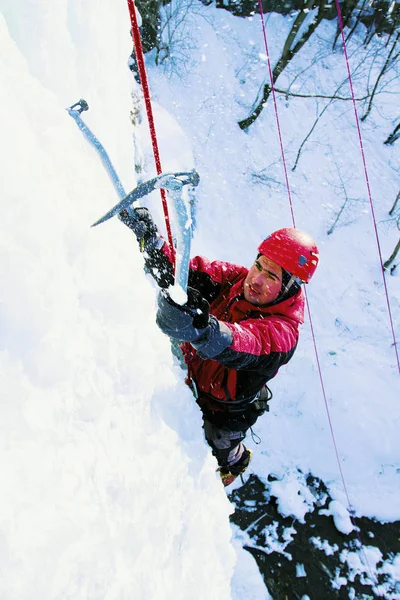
259	402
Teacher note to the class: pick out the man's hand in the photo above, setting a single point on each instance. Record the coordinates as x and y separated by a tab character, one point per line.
193	323
187	322
143	226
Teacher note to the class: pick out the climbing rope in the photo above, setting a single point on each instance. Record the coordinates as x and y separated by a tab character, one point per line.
137	42
367	182
350	509
278	125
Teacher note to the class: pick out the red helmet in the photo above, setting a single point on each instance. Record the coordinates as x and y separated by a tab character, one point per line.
294	250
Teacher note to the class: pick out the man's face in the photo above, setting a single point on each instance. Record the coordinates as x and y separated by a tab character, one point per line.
263	282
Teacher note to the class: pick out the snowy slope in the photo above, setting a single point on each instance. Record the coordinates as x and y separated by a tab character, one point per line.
109	490
347	299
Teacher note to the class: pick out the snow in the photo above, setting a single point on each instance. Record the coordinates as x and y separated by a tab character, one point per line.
300	570
293	497
324	545
366	564
341	516
108	488
246	582
353	337
273	542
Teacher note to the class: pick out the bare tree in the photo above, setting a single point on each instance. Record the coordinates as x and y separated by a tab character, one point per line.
378	16
394	12
394	211
392	257
309	134
393	136
335	96
291	47
265	177
347	9
175	41
357	18
149	11
382	16
390	60
341	190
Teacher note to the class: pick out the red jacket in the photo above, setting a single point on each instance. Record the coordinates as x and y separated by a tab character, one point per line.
264	338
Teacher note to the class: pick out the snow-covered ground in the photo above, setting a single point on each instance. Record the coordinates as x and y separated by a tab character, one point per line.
108	489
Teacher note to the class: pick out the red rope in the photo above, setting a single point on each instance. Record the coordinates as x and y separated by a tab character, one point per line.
137	42
367	182
307	302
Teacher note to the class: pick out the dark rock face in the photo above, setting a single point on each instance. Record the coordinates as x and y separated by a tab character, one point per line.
313	559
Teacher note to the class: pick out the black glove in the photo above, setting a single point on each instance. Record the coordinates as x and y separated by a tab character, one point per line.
185	322
143	226
193	323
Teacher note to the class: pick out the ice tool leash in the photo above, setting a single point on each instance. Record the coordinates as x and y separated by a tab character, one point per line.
171	182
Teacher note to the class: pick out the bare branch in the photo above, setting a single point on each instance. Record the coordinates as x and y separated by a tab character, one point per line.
290	49
389	261
309	134
393	136
348	201
331	100
385	67
328	96
393	209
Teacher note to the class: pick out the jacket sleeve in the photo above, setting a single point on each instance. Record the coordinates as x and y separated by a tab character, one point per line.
158	262
254	343
204	275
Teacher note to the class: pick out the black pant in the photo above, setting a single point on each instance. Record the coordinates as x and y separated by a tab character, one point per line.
225	431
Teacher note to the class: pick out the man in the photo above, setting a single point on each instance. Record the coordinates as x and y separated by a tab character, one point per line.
238	327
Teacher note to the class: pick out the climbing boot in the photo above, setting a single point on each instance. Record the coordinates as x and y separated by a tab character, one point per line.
229	474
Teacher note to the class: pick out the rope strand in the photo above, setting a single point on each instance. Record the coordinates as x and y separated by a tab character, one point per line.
278	125
364	162
335	446
137	42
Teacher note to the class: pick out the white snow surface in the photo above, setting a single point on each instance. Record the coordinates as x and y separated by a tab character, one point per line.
108	488
341	516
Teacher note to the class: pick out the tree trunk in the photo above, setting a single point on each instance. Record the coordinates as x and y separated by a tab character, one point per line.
288	53
357	21
150	13
389	261
394	21
392	210
347	9
393	136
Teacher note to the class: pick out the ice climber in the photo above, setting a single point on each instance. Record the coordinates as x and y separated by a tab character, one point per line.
238	327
